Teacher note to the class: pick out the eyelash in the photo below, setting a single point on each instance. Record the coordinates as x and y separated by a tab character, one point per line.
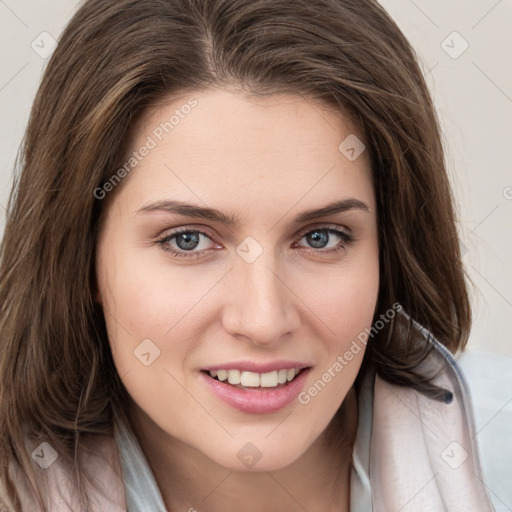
346	240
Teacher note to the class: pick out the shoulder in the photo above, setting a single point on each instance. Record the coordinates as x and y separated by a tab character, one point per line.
489	378
99	460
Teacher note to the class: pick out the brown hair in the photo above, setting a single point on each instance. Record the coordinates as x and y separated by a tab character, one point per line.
115	60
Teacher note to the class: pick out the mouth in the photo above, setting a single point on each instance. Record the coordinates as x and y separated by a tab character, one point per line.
255	381
256	393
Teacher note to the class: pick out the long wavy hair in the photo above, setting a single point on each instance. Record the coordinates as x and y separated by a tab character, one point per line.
115	60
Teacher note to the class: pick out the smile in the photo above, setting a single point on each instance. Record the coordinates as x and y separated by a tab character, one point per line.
244	379
256	393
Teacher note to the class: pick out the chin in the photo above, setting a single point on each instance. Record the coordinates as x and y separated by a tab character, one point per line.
259	454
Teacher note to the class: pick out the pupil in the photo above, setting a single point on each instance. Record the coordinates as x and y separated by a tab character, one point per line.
191	240
318	238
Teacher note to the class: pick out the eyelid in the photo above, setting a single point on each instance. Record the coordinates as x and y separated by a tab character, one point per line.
199	228
324	225
342	231
209	232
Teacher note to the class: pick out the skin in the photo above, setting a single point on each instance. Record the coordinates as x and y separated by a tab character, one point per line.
264	160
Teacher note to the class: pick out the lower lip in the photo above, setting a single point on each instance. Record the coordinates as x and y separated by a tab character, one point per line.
257	401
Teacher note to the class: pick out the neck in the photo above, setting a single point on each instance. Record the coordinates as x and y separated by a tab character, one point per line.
318	480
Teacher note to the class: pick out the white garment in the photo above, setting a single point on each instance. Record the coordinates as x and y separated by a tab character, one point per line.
411	453
415	454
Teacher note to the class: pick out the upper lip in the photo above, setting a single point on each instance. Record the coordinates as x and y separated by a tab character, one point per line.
251	366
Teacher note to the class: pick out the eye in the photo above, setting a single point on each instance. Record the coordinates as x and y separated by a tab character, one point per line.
182	243
192	243
320	238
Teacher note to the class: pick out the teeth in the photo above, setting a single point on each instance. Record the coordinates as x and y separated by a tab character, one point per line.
269	380
234	376
253	379
250	379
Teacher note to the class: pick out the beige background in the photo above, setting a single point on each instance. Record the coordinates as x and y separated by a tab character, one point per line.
473	92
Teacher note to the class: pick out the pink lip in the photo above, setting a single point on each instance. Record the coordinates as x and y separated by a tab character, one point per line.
251	366
257	401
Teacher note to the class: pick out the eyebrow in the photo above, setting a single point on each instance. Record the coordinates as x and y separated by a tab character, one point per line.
190	210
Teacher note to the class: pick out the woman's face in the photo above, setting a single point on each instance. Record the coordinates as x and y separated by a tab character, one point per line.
253	284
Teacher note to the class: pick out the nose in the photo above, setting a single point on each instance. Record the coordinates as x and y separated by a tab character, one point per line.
261	307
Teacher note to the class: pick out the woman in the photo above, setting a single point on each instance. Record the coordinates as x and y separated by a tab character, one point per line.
222	282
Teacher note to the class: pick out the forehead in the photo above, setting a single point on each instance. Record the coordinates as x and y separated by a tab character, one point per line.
218	145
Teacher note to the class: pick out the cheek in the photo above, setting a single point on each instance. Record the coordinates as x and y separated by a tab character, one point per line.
344	301
346	309
150	300
149	296
344	298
